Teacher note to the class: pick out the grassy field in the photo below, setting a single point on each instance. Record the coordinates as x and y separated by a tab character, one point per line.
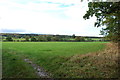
54	57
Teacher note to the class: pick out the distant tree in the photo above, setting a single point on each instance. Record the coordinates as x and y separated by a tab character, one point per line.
73	36
27	38
9	39
55	39
42	38
89	39
78	38
65	39
33	39
49	38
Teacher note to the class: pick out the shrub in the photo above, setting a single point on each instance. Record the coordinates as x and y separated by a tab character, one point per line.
78	38
9	39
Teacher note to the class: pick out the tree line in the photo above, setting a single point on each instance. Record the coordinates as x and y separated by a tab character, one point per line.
45	38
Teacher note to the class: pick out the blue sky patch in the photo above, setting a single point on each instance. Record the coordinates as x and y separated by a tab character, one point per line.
66	5
12	30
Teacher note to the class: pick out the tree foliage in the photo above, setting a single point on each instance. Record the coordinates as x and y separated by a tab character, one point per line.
78	38
9	39
33	39
108	14
42	38
49	38
27	38
73	36
55	38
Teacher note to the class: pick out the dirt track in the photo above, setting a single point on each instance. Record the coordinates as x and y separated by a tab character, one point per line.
39	70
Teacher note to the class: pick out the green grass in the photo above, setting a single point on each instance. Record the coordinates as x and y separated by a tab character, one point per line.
50	55
14	67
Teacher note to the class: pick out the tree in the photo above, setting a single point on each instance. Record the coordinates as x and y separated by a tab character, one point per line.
33	39
89	39
9	38
42	38
49	38
55	38
78	38
73	36
107	13
26	38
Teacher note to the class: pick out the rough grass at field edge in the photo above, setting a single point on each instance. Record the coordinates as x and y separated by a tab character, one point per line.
102	64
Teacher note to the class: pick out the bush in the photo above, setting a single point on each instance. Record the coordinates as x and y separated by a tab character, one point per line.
79	38
9	39
42	38
48	38
89	39
33	39
55	39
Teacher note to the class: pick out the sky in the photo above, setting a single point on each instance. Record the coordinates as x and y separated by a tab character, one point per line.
63	17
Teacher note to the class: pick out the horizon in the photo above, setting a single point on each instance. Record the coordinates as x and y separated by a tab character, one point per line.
50	34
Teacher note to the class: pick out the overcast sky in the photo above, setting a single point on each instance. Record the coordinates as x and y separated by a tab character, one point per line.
63	17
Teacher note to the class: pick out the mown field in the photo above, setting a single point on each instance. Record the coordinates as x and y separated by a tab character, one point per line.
54	57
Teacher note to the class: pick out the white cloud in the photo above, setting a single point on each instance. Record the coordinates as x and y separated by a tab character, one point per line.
47	18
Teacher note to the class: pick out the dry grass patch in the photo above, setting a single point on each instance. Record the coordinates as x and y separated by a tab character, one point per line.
102	64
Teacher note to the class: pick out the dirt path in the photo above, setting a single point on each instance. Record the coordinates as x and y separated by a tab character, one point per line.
40	71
